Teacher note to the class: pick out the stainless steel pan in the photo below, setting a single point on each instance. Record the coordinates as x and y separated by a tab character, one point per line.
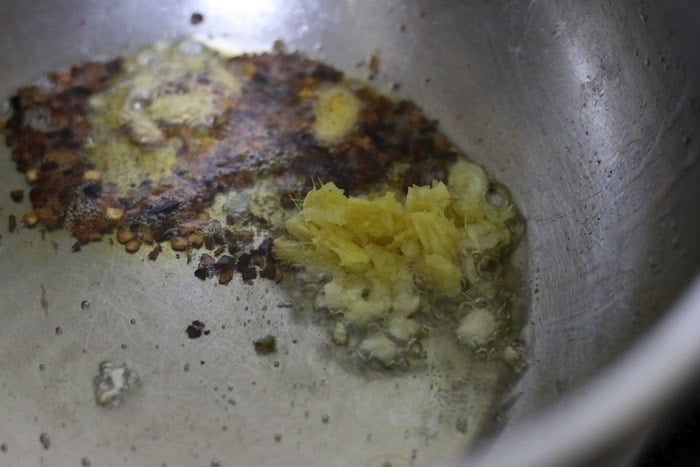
587	111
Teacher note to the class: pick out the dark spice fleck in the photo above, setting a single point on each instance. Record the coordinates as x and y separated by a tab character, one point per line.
206	261
232	248
45	440
269	271
209	243
265	345
44	301
93	190
244	236
166	206
225	277
196	330
11	222
153	254
225	263
114	66
196	19
265	247
17	195
243	262
249	273
201	273
289	199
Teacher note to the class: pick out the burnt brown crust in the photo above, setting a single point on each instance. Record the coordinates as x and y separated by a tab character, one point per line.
267	130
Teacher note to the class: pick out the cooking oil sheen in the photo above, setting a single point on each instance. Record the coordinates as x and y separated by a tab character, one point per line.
413	381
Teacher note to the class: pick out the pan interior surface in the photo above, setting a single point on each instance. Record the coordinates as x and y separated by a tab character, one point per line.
587	112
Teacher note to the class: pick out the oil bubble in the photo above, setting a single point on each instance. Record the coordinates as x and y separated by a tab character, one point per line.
45	440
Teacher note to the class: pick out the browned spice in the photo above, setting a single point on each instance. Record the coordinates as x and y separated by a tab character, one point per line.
124	236
206	261
249	273
195	240
201	273
178	243
11	223
267	130
269	271
226	276
153	254
244	236
132	246
147	236
209	242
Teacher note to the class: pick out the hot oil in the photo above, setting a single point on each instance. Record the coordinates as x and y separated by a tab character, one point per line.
219	178
134	137
449	392
445	390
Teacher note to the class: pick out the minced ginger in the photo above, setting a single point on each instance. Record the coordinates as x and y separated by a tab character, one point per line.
381	252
